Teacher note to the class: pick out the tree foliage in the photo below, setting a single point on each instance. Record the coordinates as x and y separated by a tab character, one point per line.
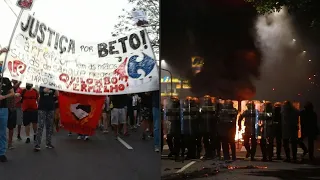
309	9
151	9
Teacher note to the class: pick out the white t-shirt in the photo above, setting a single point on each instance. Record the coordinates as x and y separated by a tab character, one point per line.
135	99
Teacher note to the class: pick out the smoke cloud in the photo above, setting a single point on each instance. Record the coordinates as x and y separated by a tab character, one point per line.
284	63
224	38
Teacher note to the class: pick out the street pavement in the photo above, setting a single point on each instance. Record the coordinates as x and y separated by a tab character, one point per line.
102	157
240	169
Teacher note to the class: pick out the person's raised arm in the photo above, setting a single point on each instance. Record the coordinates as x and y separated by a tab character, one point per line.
4	50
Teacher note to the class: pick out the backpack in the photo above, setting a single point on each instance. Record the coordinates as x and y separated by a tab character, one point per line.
24	91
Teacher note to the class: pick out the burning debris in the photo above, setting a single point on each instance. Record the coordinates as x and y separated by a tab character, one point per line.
218	167
204	172
246	167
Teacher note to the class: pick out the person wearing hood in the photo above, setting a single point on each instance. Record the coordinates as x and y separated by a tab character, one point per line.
309	129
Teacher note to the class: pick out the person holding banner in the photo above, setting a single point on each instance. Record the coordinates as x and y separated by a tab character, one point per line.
146	113
130	112
56	121
118	113
135	100
156	120
12	120
29	100
45	116
6	92
17	90
106	115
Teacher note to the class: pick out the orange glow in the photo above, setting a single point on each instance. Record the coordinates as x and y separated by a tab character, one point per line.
239	133
196	99
297	105
258	105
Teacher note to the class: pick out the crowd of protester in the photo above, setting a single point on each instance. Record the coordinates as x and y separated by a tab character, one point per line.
39	109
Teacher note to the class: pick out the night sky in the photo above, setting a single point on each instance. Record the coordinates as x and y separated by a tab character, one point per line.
223	33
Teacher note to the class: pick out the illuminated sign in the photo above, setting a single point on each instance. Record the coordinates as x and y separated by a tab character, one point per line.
197	62
184	86
168	94
166	79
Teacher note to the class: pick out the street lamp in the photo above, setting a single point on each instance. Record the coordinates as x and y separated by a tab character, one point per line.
171	84
161	69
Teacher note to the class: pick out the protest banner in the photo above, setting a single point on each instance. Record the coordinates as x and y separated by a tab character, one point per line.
44	57
80	113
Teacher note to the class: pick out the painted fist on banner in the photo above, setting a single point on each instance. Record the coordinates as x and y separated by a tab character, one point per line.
16	68
78	112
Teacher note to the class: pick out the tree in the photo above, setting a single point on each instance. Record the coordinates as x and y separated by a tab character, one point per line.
126	23
309	9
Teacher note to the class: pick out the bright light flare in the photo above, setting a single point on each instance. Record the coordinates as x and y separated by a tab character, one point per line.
309	60
294	40
304	51
239	132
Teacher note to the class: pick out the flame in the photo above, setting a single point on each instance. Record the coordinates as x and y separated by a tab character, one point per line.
258	105
240	132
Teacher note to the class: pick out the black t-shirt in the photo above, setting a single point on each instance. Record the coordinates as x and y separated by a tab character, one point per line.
6	87
129	102
47	100
119	101
146	101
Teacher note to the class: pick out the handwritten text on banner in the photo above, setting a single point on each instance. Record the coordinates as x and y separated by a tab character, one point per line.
42	56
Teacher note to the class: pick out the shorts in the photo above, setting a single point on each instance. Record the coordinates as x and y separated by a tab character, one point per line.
29	117
12	119
146	114
19	116
118	116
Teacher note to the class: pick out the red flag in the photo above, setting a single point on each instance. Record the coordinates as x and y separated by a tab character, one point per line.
80	113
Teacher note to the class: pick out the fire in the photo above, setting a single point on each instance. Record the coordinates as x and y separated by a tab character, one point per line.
240	132
258	104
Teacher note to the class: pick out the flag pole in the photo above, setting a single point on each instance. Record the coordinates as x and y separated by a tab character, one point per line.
8	48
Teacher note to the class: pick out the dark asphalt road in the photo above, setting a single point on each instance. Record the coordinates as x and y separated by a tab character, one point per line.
212	169
101	158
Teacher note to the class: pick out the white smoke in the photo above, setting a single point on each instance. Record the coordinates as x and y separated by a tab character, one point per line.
274	32
282	67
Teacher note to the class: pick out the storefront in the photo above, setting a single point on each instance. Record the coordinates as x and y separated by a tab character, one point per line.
179	87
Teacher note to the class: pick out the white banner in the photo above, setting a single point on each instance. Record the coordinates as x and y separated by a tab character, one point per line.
44	57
